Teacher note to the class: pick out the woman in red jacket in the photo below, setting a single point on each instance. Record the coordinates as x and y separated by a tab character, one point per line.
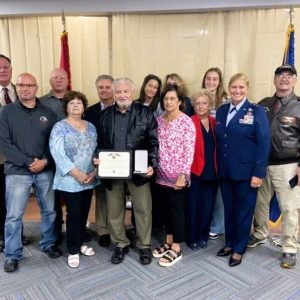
203	189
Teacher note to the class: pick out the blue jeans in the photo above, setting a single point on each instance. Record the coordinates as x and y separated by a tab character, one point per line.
217	223
16	196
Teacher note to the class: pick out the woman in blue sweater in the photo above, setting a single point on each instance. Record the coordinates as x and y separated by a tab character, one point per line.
72	145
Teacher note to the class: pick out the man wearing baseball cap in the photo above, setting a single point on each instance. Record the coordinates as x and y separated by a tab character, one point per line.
283	111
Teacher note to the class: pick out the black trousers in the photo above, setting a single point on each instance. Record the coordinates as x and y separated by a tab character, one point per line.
200	205
59	215
78	206
173	203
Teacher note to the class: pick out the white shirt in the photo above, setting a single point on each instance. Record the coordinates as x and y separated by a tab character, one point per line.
11	93
232	112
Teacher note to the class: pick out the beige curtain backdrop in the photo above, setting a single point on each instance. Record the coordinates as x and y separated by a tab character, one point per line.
250	41
161	44
33	44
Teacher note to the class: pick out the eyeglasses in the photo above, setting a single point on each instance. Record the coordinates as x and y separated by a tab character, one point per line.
284	75
28	85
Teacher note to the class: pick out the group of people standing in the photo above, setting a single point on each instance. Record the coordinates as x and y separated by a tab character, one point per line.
203	152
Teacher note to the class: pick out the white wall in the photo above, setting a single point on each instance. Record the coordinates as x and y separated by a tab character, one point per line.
106	7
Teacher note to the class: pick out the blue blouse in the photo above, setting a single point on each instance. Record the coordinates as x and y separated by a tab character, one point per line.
70	149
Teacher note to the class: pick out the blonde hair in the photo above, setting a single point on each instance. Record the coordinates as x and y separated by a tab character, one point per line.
239	76
203	93
179	82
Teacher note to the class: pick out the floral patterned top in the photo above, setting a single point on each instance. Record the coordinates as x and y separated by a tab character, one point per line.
176	149
71	148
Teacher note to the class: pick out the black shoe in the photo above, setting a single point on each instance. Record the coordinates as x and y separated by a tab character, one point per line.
87	237
53	252
11	265
233	262
104	240
194	246
224	252
288	260
202	244
119	255
26	240
145	256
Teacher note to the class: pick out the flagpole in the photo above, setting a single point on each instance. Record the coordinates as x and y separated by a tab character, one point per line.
63	19
64	54
292	15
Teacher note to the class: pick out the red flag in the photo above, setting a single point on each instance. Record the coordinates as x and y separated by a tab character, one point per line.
65	56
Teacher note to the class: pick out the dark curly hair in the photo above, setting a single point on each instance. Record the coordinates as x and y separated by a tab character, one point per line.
69	96
173	88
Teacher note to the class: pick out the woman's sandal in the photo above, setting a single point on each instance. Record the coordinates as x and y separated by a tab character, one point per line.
87	251
170	258
161	250
73	261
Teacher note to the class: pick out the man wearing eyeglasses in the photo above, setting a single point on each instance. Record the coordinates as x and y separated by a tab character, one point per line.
7	95
25	127
283	111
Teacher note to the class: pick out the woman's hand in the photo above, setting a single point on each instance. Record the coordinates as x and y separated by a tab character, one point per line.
91	178
79	176
255	182
180	182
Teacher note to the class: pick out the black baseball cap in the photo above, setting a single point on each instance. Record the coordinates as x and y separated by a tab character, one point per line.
286	68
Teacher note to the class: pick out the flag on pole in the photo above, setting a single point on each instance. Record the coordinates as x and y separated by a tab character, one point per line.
275	213
289	51
65	56
288	59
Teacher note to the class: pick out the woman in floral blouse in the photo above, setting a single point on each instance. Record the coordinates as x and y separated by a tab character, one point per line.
176	136
72	145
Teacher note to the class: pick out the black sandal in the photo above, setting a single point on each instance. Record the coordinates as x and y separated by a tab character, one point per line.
161	250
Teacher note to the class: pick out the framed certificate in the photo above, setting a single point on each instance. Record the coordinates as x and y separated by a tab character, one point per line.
115	164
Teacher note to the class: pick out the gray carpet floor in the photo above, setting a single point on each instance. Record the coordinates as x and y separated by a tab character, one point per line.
199	275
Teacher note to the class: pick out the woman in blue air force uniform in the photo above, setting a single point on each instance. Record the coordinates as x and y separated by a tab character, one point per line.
243	146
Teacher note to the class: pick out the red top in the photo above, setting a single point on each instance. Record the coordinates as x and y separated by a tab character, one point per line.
199	159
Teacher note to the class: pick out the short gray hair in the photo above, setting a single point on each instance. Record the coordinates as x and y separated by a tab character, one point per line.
104	77
123	80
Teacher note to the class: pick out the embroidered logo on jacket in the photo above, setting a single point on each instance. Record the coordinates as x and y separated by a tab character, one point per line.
43	119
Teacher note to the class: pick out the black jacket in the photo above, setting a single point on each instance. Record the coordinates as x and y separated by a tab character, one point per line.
92	113
285	129
141	134
24	135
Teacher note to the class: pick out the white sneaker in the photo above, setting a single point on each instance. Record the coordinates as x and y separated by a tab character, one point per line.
73	261
213	236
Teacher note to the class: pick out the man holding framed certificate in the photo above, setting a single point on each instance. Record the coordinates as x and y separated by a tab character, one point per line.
127	140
